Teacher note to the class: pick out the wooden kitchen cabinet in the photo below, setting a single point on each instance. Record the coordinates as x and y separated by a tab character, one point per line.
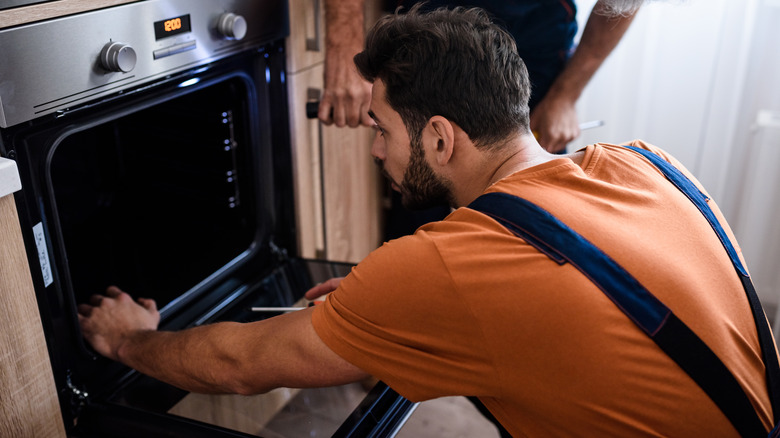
28	397
338	188
51	9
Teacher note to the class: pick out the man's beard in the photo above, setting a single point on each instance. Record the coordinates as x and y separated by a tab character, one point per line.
421	188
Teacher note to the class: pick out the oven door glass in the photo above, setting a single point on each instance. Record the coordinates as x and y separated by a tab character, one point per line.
158	200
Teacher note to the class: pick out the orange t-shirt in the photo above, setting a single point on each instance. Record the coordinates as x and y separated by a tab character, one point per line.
464	307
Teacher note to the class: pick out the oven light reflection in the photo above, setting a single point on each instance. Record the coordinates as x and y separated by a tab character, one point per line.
189	82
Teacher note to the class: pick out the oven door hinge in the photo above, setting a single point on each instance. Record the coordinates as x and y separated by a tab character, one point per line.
279	254
77	396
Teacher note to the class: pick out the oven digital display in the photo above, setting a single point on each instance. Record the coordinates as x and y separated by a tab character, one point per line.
172	26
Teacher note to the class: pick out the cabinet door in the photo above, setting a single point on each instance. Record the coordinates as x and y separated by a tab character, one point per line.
353	186
352	192
305	140
29	398
337	185
306	44
37	12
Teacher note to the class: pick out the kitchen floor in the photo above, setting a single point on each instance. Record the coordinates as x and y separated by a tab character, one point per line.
452	417
318	412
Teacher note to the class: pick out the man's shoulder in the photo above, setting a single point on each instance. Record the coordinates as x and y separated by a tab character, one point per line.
461	229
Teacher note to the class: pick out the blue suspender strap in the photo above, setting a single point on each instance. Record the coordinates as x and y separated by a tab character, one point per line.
555	239
768	350
699	200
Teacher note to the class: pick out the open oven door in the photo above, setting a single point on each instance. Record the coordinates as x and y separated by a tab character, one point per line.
380	414
143	406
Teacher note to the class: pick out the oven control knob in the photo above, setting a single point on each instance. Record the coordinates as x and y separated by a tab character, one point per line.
231	26
119	57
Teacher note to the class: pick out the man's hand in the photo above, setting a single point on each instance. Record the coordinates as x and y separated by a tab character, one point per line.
346	96
323	288
218	358
554	123
109	320
554	120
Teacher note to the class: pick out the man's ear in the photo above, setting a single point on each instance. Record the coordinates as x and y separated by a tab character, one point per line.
439	139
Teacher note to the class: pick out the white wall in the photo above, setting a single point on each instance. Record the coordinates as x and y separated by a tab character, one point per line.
701	79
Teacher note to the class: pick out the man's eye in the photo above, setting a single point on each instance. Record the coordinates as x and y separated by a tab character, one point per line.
380	130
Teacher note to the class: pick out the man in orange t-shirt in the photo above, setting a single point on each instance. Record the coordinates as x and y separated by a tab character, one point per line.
464	307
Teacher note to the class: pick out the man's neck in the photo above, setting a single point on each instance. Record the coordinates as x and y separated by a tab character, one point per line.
518	153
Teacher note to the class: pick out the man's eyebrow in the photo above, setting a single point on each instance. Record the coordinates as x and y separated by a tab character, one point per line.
373	116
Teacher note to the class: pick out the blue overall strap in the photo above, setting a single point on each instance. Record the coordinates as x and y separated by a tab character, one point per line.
768	350
552	237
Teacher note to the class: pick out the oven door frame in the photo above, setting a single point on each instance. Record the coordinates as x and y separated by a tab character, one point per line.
381	414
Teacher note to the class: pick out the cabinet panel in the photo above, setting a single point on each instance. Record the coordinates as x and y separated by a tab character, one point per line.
352	184
305	141
29	406
306	44
43	11
337	185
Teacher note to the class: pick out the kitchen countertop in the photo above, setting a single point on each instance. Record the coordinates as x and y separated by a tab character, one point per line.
9	177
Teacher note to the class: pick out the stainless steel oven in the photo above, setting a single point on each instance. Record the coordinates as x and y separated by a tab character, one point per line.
153	146
8	4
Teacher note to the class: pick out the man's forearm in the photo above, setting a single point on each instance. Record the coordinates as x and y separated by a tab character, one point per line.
346	95
600	36
202	359
344	25
230	357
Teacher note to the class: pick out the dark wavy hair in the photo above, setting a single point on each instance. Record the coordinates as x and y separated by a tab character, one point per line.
450	62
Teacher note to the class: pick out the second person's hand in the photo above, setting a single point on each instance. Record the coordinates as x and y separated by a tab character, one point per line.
554	122
323	288
346	96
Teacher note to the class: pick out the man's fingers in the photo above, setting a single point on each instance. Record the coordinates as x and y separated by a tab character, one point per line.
365	119
148	304
84	310
339	115
325	113
554	146
323	288
113	291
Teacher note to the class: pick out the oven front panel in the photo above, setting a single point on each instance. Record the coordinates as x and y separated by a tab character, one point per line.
72	61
